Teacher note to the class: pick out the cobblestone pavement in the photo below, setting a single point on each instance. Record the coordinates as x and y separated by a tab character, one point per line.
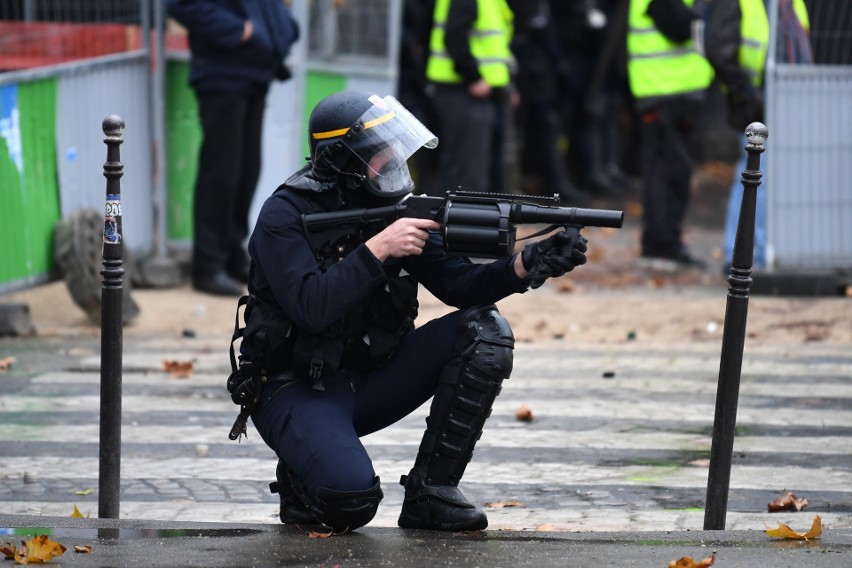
619	439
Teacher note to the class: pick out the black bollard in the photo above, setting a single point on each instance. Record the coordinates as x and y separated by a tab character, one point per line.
109	480
733	337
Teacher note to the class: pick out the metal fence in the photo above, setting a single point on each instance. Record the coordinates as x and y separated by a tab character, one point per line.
809	151
38	33
64	66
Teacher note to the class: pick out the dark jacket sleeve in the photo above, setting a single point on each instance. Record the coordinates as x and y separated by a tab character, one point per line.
286	268
673	18
722	44
214	22
460	18
460	283
220	61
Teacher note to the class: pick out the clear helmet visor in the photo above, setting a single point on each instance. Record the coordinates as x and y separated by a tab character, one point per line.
384	138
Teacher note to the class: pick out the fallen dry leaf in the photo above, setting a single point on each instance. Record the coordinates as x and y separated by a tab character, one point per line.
8	550
688	562
524	413
83	492
6	363
504	504
178	369
38	550
316	534
784	531
83	548
549	528
789	502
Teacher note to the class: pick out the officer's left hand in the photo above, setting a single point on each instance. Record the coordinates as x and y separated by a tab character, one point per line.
553	256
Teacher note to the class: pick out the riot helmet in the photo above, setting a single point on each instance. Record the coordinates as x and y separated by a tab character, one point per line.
368	140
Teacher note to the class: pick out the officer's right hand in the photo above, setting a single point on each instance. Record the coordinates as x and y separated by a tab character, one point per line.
403	237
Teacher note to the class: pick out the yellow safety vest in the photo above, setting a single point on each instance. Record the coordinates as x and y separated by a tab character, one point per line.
801	11
754	33
754	30
658	67
489	43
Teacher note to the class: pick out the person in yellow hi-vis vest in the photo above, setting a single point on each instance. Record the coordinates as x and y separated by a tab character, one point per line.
469	74
736	42
668	79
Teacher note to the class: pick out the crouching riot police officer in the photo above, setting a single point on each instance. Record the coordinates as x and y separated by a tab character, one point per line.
329	352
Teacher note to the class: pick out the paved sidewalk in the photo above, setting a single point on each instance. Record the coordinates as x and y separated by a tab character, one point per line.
612	470
148	544
619	439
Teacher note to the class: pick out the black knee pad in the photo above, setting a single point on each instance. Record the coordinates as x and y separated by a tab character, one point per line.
346	510
487	343
468	386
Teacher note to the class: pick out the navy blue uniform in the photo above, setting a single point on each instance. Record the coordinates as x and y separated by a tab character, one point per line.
317	433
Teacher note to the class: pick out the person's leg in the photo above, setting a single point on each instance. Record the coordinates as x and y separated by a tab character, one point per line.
668	164
219	167
465	132
656	233
469	383
680	162
238	261
326	467
395	390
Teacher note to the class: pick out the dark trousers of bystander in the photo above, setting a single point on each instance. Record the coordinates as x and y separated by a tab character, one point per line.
466	130
667	139
228	171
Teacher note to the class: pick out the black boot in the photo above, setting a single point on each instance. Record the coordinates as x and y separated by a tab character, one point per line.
437	508
293	509
466	391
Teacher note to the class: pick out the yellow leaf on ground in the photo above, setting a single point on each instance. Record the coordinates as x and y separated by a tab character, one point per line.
38	550
76	513
688	562
83	492
784	531
83	548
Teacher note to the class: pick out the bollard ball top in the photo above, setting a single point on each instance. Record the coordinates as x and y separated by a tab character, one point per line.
113	125
756	134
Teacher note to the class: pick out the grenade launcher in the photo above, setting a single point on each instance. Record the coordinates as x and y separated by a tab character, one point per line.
479	225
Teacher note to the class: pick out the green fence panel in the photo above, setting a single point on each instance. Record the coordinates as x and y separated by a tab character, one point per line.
28	181
183	139
319	85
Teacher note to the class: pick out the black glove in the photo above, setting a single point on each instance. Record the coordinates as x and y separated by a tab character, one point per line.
283	73
553	256
744	107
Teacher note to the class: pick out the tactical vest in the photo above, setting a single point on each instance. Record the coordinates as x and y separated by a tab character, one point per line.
489	44
659	68
363	339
